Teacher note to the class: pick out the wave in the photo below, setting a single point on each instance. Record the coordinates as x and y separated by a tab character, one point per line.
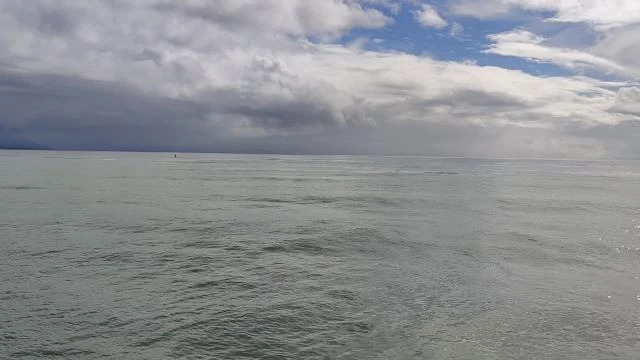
47	353
224	284
50	252
311	247
349	201
21	187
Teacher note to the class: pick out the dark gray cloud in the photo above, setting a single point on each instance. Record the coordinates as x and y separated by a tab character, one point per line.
66	112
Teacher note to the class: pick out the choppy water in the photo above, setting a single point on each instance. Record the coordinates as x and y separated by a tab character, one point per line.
142	256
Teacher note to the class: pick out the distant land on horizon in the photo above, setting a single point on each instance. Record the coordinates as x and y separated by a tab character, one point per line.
17	143
22	144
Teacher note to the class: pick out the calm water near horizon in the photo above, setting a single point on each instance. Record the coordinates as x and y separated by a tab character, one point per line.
146	256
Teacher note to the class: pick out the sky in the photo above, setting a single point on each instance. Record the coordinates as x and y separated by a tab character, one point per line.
471	78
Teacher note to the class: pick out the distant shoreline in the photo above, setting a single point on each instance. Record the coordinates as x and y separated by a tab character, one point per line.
435	157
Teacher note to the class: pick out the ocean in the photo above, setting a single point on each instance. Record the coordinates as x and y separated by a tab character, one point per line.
204	256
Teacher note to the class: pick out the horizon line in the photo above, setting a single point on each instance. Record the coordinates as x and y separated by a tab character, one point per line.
444	157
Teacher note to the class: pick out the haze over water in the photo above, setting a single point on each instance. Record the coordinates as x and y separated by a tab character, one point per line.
143	256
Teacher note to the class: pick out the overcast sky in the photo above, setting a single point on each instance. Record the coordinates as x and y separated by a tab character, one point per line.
487	78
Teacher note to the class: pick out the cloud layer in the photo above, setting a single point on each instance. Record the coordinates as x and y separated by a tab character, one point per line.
273	76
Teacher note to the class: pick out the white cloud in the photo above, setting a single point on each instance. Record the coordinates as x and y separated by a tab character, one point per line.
621	45
456	30
602	14
393	6
480	9
517	36
428	16
524	44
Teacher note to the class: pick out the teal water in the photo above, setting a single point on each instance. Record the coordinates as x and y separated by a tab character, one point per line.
143	256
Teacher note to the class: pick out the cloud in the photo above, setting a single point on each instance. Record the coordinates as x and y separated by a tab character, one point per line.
69	112
484	10
393	6
524	44
610	47
621	45
456	30
267	76
628	102
428	16
601	14
294	17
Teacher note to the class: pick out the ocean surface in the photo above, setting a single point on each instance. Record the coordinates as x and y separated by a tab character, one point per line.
147	256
